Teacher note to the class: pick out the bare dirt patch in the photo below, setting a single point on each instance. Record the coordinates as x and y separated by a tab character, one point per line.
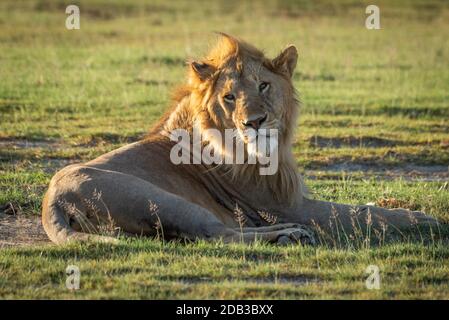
407	172
295	280
106	138
351	142
14	143
21	230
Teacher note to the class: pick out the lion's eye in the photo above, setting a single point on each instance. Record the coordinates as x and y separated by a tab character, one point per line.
229	98
264	86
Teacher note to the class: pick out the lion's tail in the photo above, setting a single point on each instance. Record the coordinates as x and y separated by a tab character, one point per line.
56	223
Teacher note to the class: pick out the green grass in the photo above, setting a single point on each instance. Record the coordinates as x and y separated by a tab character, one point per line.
378	99
151	269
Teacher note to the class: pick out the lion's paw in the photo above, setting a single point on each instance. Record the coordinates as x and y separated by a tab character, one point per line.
297	235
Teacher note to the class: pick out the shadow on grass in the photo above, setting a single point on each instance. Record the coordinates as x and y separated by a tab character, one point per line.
363	238
130	246
284	279
259	252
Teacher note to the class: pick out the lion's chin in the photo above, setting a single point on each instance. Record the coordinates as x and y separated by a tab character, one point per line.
262	149
259	144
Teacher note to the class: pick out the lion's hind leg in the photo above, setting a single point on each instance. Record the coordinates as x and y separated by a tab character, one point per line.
87	203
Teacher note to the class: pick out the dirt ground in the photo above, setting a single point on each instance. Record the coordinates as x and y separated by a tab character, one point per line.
21	230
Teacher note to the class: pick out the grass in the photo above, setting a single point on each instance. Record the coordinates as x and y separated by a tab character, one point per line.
372	101
150	269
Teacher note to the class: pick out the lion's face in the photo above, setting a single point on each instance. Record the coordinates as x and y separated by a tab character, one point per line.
244	91
250	100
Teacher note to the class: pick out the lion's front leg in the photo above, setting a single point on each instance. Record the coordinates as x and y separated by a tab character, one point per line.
282	234
330	216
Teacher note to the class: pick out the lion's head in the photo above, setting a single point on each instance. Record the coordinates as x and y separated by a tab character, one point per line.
236	87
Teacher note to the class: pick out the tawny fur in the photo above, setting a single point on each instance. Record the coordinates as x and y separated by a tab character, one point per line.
144	193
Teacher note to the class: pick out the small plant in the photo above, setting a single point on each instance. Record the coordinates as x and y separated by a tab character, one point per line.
240	217
268	217
92	220
154	211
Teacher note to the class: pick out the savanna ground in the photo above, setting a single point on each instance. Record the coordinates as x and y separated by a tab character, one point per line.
374	128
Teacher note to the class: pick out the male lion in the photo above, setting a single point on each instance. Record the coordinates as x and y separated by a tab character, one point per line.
138	190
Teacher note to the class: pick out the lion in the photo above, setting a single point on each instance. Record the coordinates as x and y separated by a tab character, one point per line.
137	190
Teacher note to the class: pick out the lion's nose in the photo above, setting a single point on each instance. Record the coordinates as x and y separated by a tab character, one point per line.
255	122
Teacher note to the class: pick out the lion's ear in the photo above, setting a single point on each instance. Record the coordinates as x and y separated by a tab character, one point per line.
201	71
286	60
